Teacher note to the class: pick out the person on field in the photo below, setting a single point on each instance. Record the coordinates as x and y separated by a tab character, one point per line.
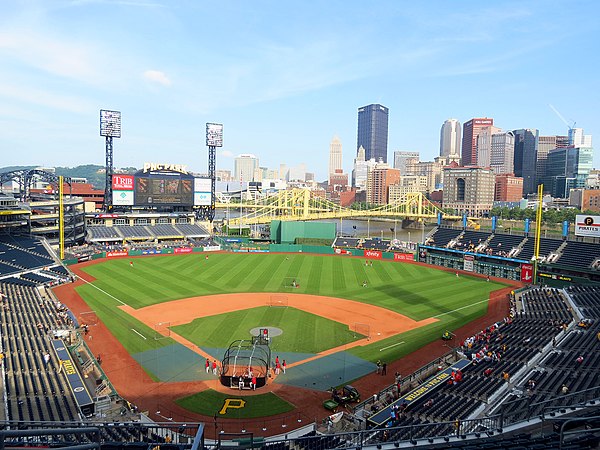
214	366
207	365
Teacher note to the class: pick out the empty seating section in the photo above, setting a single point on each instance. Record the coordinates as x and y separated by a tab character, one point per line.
134	232
192	230
34	390
161	231
101	233
21	254
442	237
375	244
166	231
547	246
346	242
579	254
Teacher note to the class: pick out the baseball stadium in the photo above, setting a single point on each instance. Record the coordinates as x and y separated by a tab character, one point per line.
145	325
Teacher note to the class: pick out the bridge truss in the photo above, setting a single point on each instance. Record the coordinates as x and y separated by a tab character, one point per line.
301	204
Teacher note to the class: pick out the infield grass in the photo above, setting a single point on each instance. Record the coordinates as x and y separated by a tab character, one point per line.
412	290
302	332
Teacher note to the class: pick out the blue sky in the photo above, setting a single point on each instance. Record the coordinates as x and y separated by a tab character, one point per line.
284	77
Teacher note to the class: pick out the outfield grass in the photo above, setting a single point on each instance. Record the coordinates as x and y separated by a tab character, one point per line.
210	403
415	291
302	331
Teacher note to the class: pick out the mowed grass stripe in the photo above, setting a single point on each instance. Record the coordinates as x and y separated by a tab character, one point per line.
313	284
338	280
269	272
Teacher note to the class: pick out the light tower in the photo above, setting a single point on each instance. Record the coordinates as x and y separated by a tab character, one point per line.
110	127
214	139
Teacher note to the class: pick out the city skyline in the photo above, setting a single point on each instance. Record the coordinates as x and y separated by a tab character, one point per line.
282	92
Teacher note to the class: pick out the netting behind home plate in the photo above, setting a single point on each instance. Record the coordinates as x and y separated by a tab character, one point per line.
245	359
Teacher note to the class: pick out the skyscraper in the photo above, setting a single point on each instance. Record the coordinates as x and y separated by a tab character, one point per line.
526	149
484	145
373	131
450	138
567	168
402	160
502	158
471	131
335	155
545	145
244	166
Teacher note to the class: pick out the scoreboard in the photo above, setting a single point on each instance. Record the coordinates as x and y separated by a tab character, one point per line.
159	188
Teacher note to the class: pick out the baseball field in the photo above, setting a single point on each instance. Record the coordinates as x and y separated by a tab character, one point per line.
321	304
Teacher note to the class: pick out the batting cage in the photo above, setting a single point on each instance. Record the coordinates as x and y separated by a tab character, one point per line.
245	360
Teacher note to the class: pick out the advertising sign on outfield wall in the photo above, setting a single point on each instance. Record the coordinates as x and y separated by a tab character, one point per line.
527	273
342	251
116	254
404	257
373	254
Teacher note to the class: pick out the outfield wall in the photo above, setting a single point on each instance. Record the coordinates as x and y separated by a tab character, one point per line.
273	248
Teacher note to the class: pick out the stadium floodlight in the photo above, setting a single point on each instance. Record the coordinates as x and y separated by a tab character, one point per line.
214	135
110	123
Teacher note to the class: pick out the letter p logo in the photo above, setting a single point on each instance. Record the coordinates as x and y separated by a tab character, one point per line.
233	403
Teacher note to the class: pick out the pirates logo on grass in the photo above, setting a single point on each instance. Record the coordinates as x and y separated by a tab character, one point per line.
232	403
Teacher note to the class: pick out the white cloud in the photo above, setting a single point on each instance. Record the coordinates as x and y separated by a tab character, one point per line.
226	154
156	76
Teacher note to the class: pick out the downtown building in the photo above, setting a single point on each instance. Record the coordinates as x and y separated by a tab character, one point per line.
525	159
244	167
545	145
502	157
450	138
407	184
508	188
403	160
379	180
469	190
373	131
484	145
471	131
566	169
335	155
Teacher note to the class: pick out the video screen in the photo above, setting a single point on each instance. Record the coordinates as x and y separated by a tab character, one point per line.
163	190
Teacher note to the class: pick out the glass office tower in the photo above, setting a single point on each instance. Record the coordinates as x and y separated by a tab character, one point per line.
373	131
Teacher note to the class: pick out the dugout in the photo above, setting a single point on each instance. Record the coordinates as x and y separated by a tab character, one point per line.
284	232
244	357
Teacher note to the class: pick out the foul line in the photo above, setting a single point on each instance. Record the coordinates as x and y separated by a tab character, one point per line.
390	346
138	333
103	291
458	309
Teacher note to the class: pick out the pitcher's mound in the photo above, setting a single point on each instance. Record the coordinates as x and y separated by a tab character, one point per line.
273	331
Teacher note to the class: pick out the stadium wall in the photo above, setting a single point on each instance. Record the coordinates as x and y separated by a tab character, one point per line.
288	232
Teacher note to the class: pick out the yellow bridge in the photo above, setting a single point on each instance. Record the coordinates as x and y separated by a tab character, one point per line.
301	204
